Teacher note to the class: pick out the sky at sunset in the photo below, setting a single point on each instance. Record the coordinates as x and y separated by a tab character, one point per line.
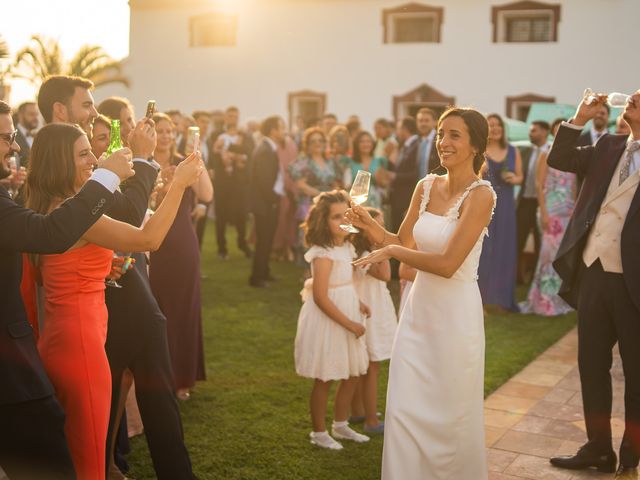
72	22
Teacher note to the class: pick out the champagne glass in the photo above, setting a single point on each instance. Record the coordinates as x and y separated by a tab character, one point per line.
359	194
125	266
615	99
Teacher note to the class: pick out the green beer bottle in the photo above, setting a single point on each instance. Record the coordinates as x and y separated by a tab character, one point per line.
115	142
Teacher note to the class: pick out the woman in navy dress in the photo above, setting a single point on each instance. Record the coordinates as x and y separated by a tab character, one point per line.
497	270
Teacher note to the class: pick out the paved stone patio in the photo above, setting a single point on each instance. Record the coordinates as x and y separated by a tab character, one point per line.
538	414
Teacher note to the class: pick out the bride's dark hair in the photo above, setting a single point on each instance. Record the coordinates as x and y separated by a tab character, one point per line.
478	131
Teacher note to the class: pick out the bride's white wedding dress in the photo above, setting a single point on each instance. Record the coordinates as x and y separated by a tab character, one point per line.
434	426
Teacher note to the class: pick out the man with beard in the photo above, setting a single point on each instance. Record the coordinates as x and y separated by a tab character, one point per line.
27	125
32	443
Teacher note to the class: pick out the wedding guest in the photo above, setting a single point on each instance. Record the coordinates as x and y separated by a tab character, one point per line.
178	124
313	172
527	202
118	108
556	192
363	159
599	126
101	135
600	269
436	375
286	231
371	285
353	126
33	443
498	262
73	353
405	175
28	120
328	121
386	144
174	270
231	153
329	344
339	145
267	188
134	313
199	214
428	161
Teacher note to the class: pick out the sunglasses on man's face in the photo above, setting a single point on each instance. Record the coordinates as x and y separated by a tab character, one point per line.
9	137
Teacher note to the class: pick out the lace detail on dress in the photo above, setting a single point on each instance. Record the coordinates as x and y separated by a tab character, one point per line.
454	211
426	185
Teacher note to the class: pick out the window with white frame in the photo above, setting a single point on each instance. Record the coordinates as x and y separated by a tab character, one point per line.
412	23
215	29
528	22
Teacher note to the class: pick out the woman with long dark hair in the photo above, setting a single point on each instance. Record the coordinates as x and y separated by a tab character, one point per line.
72	341
434	422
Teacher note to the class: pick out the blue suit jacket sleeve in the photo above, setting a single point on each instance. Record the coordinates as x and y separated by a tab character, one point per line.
131	205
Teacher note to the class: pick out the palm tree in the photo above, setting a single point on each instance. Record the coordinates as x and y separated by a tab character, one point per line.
4	54
44	58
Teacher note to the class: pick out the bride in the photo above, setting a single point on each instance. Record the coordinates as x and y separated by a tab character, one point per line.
434	426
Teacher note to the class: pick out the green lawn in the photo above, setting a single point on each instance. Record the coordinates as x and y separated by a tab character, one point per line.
250	420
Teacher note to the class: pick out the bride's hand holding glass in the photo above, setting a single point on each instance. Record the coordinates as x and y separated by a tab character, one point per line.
359	217
376	256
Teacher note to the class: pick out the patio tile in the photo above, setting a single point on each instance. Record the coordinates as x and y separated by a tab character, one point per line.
523	390
574	431
500	419
536	468
492	435
528	443
569	413
531	424
560	395
502	476
510	404
499	460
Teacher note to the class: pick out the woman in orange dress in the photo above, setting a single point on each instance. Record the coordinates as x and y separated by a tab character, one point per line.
72	340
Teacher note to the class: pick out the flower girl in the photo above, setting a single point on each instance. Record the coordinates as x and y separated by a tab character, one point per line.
371	285
329	342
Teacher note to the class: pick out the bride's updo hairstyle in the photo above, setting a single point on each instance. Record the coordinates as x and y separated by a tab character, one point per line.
478	131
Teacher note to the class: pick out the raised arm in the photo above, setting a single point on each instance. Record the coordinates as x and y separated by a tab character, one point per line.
110	233
360	218
130	206
564	154
24	230
476	215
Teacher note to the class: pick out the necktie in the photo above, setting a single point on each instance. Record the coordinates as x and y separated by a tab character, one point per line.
626	166
422	158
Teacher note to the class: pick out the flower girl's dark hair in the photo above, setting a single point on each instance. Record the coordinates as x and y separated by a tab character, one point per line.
360	241
315	227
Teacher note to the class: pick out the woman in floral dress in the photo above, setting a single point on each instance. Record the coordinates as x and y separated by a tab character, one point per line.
556	197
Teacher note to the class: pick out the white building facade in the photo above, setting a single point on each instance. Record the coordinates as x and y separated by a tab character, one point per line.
376	58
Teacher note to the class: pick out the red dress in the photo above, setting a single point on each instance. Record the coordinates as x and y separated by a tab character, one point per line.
72	348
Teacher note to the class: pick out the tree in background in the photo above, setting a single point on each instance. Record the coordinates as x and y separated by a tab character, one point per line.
43	57
4	69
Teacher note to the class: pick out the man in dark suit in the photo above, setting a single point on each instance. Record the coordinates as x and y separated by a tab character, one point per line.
136	335
32	441
406	174
428	159
599	124
527	202
27	125
599	264
230	162
266	187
